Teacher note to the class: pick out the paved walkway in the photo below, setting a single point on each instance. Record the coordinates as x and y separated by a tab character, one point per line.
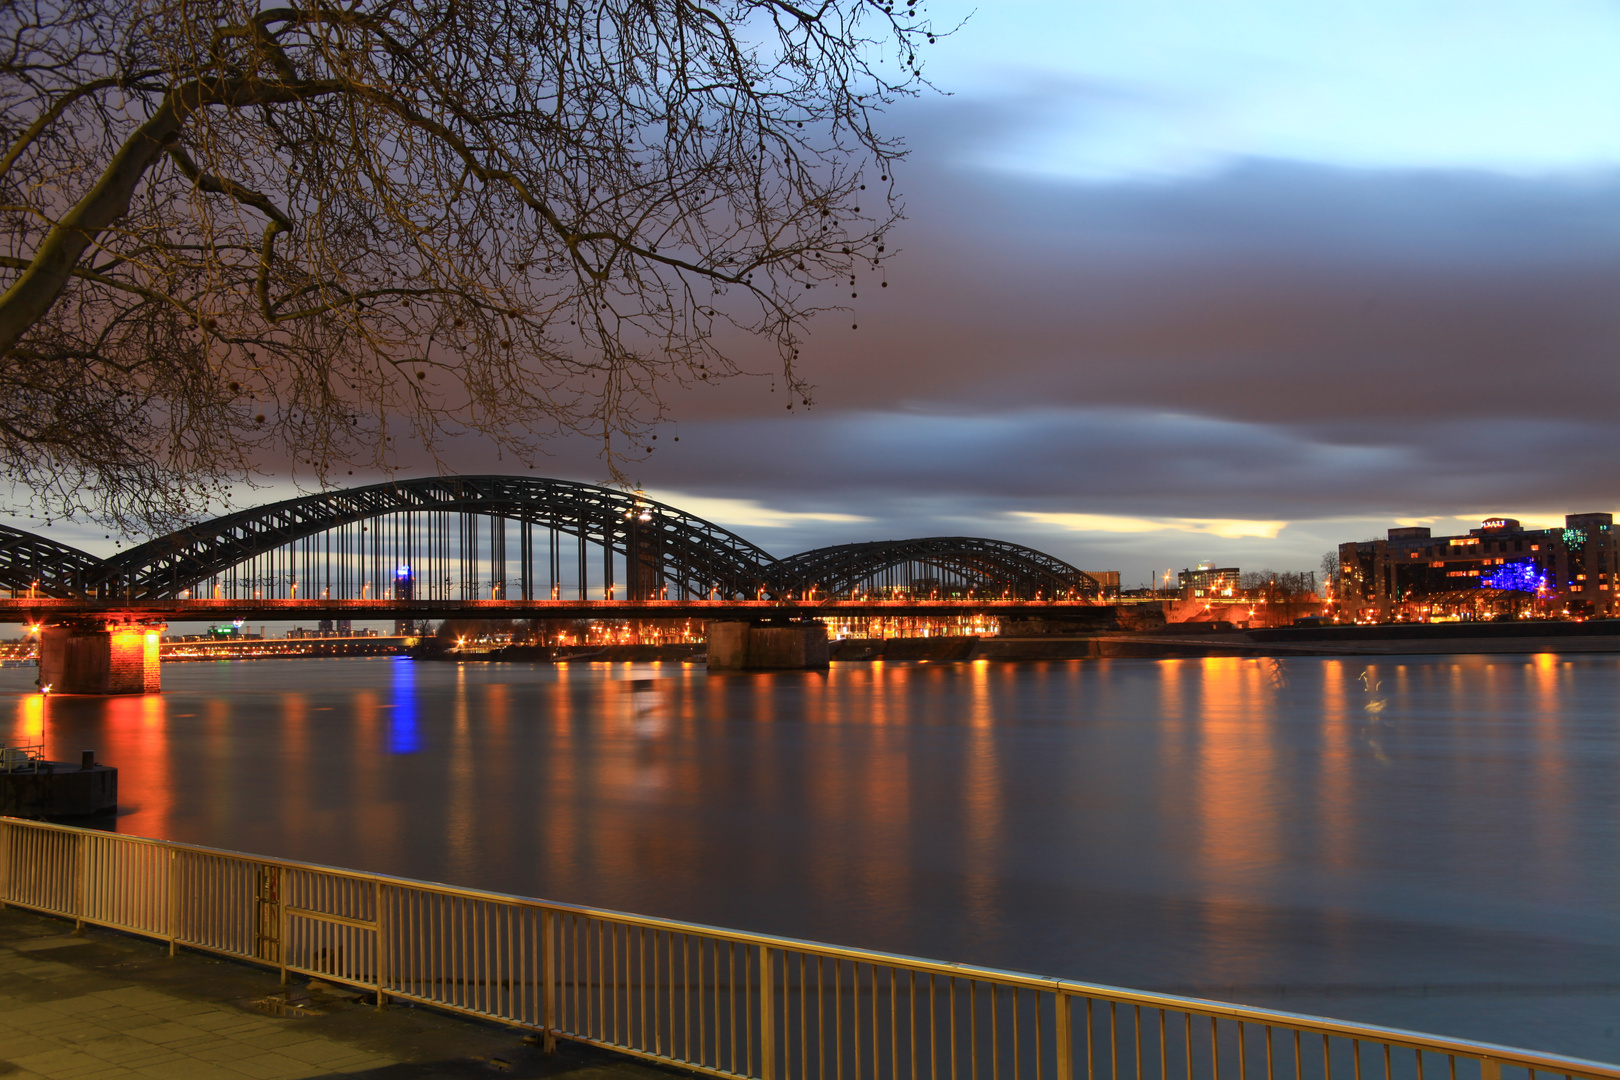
100	1004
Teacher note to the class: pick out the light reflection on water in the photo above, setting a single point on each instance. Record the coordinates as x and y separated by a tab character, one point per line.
1425	842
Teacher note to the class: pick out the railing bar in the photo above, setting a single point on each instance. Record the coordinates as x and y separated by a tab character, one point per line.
669	996
1451	1060
1214	1048
517	971
952	996
821	1020
1299	1059
492	952
1015	1039
731	994
1243	1052
1091	1056
1136	1024
804	1017
1189	1044
894	1030
838	1017
1419	1052
751	975
1355	1047
995	1033
450	930
933	1027
466	953
1327	1060
972	1028
877	1069
1039	1046
855	1021
432	947
1164	1047
1113	1040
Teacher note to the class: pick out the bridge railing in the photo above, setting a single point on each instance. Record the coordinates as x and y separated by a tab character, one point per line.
723	1002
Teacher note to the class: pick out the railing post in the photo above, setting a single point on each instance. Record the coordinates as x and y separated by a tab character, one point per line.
174	898
380	953
767	1014
1490	1069
285	945
5	863
548	980
81	882
1064	1033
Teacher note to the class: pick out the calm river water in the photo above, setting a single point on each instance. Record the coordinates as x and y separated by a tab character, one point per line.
1427	842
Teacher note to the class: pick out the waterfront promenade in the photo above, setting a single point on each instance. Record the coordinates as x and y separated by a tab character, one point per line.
100	1004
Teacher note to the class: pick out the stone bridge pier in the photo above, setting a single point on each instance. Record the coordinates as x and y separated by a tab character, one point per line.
766	645
101	655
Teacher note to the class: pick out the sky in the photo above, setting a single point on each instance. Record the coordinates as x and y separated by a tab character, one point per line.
1183	281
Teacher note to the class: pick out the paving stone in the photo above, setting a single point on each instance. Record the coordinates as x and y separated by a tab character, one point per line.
107	1005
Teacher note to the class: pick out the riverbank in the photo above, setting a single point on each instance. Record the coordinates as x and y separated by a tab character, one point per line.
98	1003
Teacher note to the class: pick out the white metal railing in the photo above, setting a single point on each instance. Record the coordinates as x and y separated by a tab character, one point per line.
723	1002
21	758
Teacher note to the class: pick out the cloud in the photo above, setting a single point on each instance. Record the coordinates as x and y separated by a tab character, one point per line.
1119	90
1230	528
1338	349
745	513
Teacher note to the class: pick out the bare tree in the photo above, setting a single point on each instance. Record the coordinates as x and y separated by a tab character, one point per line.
325	229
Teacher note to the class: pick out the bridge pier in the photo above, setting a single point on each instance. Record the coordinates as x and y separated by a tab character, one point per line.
766	645
109	655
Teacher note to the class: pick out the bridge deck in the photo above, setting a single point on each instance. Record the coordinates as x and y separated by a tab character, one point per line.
25	609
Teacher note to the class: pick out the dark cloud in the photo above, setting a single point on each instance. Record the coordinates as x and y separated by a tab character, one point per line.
1271	341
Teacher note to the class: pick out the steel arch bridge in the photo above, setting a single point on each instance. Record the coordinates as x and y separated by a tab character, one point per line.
433	538
944	566
511	538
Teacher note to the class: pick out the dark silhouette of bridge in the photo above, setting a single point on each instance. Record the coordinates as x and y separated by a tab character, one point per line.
509	545
495	546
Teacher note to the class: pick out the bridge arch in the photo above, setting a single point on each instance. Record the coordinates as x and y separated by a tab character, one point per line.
33	565
946	566
472	537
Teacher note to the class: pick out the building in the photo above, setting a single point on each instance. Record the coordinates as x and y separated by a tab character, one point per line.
1107	582
1210	582
1500	569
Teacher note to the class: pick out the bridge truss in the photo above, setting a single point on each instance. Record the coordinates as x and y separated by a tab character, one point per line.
510	538
938	567
442	538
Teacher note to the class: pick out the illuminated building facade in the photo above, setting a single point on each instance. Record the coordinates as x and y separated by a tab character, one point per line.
1500	568
1107	581
1210	581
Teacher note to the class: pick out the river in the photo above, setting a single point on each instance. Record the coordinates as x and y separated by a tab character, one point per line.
1425	842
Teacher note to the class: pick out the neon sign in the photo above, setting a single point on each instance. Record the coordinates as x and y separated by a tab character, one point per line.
1521	575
